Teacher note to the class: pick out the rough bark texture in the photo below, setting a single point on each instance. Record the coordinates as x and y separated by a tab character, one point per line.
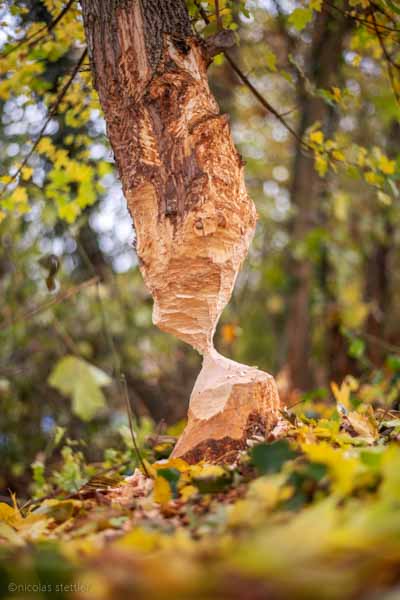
379	265
183	181
308	189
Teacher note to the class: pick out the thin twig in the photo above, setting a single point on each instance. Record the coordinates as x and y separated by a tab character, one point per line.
122	386
382	11
130	419
384	414
218	15
65	337
359	19
262	100
202	12
389	61
46	305
106	329
281	19
253	89
52	112
296	403
59	491
46	28
379	342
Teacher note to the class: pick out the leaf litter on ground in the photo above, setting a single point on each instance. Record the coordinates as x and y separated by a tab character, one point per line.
311	513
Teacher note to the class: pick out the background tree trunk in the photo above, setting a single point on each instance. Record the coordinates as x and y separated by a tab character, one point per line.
378	267
183	182
308	189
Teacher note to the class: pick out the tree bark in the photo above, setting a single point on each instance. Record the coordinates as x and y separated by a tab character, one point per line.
378	269
308	189
183	182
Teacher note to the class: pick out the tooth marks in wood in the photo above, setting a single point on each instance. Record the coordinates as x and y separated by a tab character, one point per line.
184	184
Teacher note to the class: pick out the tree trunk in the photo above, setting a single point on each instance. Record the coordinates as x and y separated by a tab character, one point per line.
183	182
308	188
378	270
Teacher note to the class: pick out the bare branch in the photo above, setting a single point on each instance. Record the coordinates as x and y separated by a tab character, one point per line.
251	87
390	63
365	22
46	29
65	295
218	15
262	100
130	418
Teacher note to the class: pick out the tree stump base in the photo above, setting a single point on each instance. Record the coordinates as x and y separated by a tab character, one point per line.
230	403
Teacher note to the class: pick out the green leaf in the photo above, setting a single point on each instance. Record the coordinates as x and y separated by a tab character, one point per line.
269	458
372	458
300	17
212	479
357	348
316	5
270	60
58	435
82	382
172	476
393	6
393	362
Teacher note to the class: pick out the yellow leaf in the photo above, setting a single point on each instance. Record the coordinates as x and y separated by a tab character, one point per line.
69	212
338	155
202	470
270	60
8	514
26	173
45	146
188	491
337	93
373	178
9	534
316	5
321	165
162	492
361	158
341	466
2	216
386	166
354	315
172	463
342	393
19	195
150	469
61	159
364	425
317	137
141	539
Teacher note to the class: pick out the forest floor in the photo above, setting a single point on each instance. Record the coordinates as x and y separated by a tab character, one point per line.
311	515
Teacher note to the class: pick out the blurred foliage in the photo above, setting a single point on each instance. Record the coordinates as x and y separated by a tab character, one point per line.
313	514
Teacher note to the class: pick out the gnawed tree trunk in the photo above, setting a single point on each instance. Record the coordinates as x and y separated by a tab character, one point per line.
183	182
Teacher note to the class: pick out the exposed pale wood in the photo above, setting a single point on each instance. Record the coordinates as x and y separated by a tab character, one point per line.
230	403
184	185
